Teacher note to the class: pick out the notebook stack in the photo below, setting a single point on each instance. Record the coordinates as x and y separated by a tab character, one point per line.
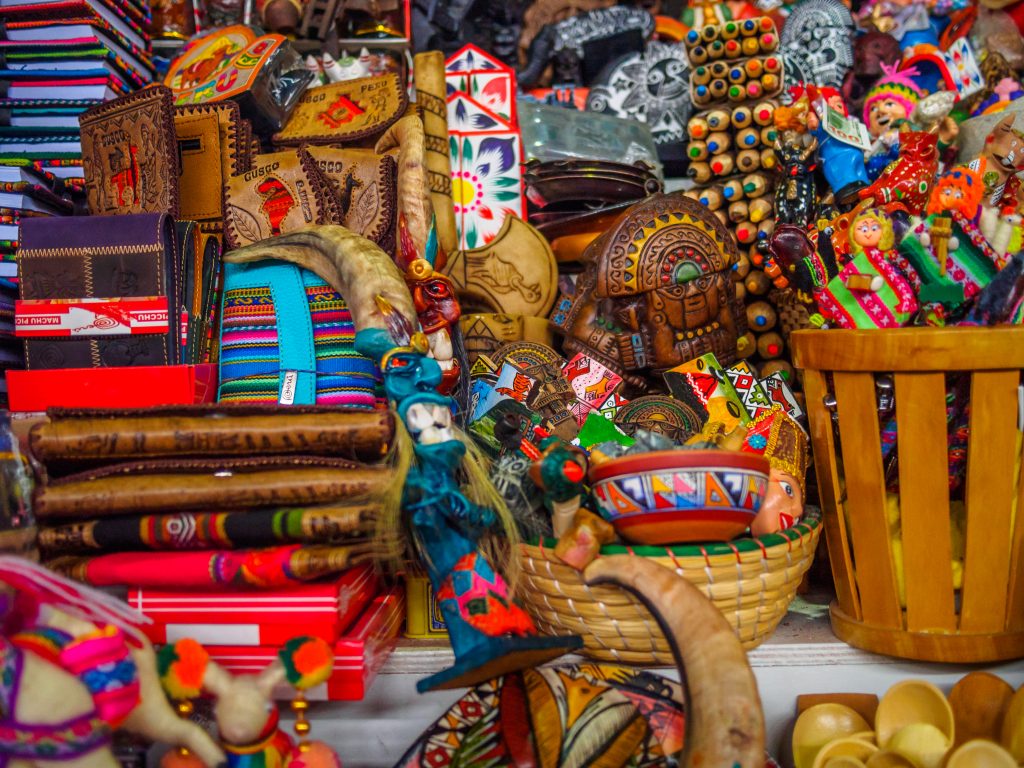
57	59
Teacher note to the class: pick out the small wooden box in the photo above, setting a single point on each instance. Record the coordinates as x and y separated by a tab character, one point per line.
984	620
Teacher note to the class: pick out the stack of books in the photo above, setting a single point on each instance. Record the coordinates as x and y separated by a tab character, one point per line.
57	59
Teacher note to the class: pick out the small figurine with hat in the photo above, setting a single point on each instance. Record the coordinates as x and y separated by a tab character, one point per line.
887	108
780	439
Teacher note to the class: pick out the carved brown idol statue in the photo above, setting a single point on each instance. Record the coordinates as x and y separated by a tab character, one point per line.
656	291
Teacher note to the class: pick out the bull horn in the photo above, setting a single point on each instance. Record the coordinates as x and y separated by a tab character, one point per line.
355	267
724	720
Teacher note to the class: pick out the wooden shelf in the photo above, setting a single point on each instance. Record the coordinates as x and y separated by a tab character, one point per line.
803	656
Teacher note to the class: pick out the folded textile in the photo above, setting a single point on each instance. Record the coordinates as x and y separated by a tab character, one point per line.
74	437
174	485
259	568
330	524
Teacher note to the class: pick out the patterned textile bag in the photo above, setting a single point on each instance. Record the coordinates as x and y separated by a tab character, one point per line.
287	338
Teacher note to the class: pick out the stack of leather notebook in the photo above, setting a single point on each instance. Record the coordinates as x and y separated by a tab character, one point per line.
209	497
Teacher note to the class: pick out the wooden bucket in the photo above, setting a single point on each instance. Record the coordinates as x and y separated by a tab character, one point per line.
984	620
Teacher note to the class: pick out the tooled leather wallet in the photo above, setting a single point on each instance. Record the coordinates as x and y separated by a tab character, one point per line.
129	154
367	188
352	112
210	144
100	291
282	192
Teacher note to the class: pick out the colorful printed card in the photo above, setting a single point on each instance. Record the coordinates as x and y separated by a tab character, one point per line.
744	380
702	383
779	392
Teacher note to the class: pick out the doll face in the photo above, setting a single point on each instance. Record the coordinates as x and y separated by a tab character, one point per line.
882	114
950	198
867	233
783	504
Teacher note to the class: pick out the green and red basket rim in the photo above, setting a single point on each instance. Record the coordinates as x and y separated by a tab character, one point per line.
807	526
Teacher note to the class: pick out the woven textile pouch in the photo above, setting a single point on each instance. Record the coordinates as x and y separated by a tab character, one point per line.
287	338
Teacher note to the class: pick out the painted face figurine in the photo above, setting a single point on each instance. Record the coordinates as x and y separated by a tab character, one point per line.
437	307
891	101
777	437
871	232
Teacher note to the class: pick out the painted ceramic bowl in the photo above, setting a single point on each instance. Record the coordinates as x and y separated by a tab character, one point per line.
671	497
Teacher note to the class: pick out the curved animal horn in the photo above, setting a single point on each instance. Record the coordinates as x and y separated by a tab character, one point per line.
724	720
355	267
413	189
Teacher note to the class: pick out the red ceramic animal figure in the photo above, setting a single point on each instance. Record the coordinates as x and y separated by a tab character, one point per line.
277	202
905	184
127	179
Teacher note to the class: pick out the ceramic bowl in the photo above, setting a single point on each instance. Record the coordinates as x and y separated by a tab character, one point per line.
669	497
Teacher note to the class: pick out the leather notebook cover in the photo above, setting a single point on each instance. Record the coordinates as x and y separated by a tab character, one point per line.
170	485
129	155
367	188
74	437
352	112
282	192
101	257
210	146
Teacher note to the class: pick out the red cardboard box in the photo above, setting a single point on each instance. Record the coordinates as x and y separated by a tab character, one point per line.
122	387
236	618
358	654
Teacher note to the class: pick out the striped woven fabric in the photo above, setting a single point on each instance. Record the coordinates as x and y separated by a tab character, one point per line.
250	352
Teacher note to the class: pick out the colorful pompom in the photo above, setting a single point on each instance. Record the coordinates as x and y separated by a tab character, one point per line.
308	661
182	667
315	754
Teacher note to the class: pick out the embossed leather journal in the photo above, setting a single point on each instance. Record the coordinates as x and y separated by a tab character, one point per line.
129	154
283	191
99	291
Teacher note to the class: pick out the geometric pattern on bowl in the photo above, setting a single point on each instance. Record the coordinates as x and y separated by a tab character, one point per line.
668	497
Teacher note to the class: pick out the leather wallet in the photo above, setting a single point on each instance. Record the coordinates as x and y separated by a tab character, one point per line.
352	112
209	138
367	188
73	437
283	191
71	259
172	485
129	155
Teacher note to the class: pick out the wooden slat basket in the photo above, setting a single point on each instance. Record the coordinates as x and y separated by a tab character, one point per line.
751	580
983	620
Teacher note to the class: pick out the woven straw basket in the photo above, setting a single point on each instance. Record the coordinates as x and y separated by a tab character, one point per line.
751	580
